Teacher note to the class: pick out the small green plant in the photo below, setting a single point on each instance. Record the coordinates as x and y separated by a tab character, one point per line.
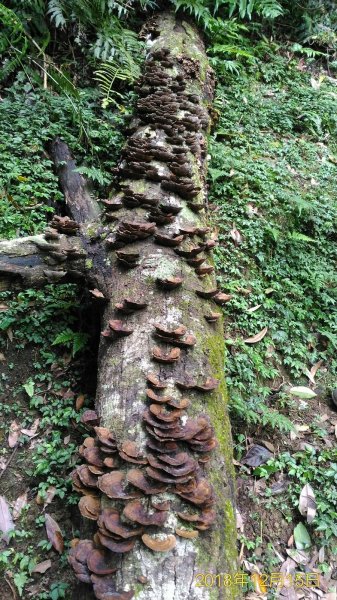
73	340
57	592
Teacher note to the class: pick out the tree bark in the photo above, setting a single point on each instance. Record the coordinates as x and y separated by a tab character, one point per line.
56	257
162	181
81	204
35	261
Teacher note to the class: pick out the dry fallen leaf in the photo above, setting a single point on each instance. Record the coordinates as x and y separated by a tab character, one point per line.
299	556
79	401
19	505
42	567
288	594
251	567
256	338
331	595
257	455
307	503
259	584
235	235
49	497
254	308
96	293
311	374
14	434
268	445
239	521
316	83
288	567
6	521
54	534
302	392
32	431
252	210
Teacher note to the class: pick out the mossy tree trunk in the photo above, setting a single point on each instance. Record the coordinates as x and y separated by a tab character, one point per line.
151	256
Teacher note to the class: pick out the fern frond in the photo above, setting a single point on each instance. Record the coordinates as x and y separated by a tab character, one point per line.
111	72
55	10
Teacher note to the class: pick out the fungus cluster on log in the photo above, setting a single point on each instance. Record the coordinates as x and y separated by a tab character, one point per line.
151	490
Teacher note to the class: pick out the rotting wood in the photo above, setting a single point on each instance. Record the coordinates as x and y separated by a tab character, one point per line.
34	261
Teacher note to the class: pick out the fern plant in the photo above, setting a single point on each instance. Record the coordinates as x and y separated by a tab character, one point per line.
205	10
13	41
108	74
74	341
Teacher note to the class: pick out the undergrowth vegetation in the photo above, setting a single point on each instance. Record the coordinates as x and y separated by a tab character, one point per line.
272	179
29	189
41	401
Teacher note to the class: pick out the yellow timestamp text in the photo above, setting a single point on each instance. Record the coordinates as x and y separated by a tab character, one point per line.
297	580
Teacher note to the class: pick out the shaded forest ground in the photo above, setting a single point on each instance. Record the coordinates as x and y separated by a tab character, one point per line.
273	167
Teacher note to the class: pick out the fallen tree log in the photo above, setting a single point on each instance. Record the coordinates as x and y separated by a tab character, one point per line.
37	260
161	391
157	475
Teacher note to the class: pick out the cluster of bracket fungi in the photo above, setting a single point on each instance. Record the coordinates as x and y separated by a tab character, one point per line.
178	445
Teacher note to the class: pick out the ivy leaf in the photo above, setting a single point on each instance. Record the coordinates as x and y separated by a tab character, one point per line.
29	388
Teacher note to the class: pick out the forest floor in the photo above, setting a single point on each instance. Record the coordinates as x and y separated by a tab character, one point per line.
273	167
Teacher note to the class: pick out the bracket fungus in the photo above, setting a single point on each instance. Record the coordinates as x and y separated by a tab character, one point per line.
129	260
212	317
136	512
189	383
190	534
119	329
169	283
90	418
64	225
153	380
129	451
169	357
129	306
207	293
222	298
137	478
111	525
167	240
159	545
104	589
113	485
99	563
